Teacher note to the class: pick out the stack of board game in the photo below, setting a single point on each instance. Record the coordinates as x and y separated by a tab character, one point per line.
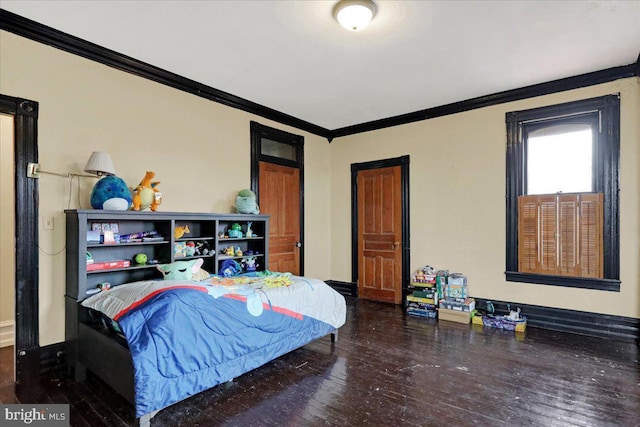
456	305
423	299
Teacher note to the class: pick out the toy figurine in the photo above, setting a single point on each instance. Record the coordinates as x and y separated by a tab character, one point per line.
250	264
202	248
249	232
190	249
235	231
146	195
180	231
238	251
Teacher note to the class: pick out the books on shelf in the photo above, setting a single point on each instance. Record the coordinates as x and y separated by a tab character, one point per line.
130	240
109	238
121	263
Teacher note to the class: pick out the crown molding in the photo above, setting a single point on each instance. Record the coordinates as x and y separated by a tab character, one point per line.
41	33
50	36
560	85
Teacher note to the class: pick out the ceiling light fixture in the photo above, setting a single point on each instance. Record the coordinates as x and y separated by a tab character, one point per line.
354	15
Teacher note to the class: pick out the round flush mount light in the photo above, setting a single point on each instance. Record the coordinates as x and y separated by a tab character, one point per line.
354	15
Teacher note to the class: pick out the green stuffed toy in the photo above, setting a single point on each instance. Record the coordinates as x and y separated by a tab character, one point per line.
181	270
246	202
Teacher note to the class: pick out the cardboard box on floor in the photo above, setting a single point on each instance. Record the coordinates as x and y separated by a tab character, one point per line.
454	315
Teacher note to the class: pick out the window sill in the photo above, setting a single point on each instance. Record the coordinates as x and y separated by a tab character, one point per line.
612	285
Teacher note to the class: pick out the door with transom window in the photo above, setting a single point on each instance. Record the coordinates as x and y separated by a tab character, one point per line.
277	180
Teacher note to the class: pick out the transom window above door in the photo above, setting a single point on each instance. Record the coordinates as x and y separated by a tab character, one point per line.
281	150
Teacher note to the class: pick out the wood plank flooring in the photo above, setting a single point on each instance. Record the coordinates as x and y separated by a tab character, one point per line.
389	369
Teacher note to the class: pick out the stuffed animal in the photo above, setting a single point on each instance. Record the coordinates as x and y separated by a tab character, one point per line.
111	193
190	249
180	270
180	231
146	195
235	231
246	202
230	267
203	248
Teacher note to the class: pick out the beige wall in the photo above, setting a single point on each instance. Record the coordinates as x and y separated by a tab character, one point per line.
7	221
457	196
200	151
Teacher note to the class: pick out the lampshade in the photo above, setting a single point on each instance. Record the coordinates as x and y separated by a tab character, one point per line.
100	164
354	15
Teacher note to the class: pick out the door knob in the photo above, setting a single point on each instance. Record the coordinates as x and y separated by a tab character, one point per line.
298	244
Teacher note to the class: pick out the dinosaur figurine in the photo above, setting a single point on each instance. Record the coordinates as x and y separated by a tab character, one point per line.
146	195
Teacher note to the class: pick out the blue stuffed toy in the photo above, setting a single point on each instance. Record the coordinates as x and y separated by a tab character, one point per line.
112	193
230	267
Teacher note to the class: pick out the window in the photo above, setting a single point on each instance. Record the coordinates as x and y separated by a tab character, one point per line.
560	159
278	149
562	194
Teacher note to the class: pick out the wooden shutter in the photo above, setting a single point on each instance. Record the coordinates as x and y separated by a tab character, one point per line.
568	235
591	237
528	235
561	234
547	234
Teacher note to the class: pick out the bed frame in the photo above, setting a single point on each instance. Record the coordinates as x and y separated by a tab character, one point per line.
90	345
105	354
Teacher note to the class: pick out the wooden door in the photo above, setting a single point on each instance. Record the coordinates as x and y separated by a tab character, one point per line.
380	234
280	198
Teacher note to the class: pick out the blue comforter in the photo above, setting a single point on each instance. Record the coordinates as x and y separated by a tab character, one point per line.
184	340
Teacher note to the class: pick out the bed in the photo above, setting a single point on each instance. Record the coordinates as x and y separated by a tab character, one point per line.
158	342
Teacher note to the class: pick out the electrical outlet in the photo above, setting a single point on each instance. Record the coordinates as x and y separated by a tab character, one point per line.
47	223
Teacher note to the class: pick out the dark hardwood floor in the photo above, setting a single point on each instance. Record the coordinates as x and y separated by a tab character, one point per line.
389	369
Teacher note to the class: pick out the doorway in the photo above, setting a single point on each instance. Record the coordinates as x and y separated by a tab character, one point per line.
7	251
380	228
277	178
26	354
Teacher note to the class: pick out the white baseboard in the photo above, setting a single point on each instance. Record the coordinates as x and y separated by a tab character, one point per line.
6	333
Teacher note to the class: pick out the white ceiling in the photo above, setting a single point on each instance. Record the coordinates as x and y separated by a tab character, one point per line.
293	57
